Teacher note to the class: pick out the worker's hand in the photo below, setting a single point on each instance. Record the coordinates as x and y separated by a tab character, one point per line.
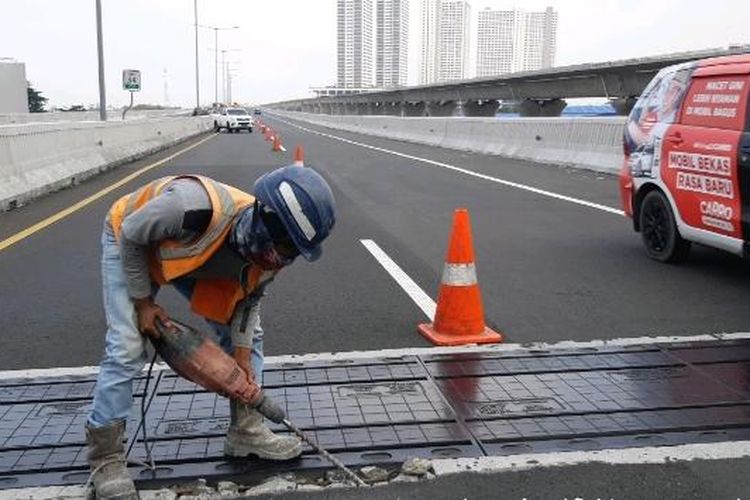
242	357
148	314
269	409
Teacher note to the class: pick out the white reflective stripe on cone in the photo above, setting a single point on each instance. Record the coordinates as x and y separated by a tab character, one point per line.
459	275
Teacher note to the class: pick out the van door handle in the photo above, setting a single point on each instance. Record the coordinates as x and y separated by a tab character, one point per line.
675	138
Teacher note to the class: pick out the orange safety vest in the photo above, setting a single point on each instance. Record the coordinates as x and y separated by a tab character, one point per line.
214	299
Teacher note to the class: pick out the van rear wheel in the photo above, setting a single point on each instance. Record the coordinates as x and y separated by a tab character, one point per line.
659	230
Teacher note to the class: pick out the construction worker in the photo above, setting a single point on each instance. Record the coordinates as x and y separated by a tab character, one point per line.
219	247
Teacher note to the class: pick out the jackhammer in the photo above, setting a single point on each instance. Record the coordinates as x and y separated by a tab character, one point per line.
199	359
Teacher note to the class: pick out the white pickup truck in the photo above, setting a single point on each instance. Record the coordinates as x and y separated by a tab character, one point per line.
233	120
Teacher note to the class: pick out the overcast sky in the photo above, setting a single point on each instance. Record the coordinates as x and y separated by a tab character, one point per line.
285	46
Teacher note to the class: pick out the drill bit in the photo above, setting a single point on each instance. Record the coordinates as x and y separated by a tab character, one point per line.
335	461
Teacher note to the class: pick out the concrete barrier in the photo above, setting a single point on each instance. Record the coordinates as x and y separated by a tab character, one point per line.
39	158
81	116
590	143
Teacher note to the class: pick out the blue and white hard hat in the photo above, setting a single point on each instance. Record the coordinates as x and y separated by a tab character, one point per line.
304	203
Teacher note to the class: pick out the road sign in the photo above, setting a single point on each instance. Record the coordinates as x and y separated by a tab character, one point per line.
131	80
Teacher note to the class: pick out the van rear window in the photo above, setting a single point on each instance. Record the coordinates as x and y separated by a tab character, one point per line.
717	102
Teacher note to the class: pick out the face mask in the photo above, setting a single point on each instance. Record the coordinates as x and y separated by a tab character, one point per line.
270	260
251	239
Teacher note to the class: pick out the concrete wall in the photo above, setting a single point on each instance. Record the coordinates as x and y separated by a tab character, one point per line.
82	116
590	143
39	158
13	96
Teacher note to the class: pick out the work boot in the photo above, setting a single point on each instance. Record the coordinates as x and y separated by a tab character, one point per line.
107	461
248	435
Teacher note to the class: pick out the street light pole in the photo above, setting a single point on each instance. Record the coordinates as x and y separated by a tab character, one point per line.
230	74
224	71
100	55
216	55
224	75
229	84
216	63
197	79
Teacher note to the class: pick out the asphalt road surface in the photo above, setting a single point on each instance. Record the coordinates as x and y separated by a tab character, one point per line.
550	268
694	480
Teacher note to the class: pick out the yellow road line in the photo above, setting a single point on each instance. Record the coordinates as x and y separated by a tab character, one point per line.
12	240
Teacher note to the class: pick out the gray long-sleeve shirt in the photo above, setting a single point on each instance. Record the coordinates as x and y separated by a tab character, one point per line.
181	212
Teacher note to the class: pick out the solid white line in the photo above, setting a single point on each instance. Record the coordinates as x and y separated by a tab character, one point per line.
645	455
517	185
423	301
416	351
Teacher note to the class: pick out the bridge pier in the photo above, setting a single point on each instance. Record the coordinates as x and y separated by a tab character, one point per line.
413	108
326	108
376	108
542	107
392	108
623	105
481	107
441	108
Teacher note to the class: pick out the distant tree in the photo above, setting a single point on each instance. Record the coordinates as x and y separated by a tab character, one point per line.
36	99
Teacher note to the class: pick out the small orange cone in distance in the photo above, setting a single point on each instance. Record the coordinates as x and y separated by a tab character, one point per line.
277	144
269	134
459	317
299	156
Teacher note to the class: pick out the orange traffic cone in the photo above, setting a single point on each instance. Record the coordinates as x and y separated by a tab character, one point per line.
277	147
459	318
262	128
269	134
299	156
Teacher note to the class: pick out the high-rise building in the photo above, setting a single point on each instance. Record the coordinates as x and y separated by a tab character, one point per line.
453	40
495	41
515	40
13	98
392	43
541	39
445	40
548	22
356	43
429	22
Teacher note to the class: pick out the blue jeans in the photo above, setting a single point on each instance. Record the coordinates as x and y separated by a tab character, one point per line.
125	348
